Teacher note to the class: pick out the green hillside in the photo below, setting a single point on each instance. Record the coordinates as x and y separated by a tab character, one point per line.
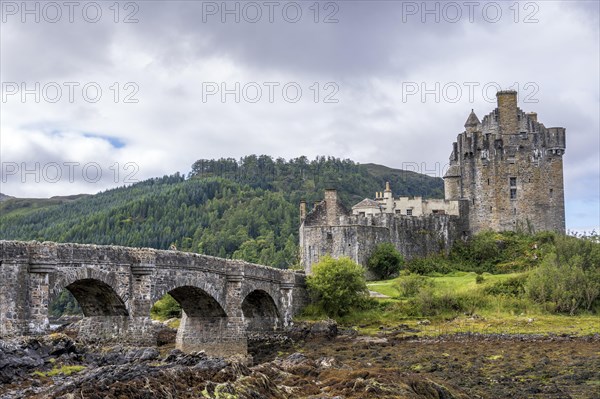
23	206
245	209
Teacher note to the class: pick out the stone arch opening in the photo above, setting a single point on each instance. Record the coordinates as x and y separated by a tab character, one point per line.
260	312
96	298
204	323
63	309
185	309
195	302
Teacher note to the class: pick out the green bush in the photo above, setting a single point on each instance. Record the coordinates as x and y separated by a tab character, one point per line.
338	285
430	302
385	261
513	287
429	265
165	308
409	286
565	286
502	252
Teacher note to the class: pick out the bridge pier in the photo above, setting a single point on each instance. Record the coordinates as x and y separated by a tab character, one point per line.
217	335
14	299
124	330
117	286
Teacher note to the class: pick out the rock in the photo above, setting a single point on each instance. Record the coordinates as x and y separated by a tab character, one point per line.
324	328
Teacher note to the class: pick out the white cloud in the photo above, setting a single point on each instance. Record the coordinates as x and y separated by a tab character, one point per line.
369	55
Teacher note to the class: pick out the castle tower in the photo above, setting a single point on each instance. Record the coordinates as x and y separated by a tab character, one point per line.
509	167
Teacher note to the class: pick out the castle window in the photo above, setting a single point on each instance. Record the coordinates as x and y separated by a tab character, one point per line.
488	182
329	236
361	213
515	211
513	188
491	208
409	212
398	211
551	192
523	135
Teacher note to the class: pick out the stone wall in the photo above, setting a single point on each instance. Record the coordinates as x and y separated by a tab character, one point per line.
356	236
509	151
116	287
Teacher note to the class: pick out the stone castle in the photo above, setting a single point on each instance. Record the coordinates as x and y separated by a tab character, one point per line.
505	173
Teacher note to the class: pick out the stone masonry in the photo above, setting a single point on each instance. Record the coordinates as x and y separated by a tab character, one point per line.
505	173
509	168
116	287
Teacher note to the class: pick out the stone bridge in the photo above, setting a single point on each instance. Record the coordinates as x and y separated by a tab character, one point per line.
222	300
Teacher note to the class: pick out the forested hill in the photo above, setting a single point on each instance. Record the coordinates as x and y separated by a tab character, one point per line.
246	209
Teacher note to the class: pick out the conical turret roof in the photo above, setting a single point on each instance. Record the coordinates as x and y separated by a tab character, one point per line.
472	120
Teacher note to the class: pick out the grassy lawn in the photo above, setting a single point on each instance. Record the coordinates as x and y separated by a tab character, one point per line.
455	281
501	314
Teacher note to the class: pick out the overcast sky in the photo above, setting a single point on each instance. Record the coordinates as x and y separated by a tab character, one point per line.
143	89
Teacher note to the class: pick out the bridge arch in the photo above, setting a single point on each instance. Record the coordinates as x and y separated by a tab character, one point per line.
197	285
260	312
196	302
95	290
96	298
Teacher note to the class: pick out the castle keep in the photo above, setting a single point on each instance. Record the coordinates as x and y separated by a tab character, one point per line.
505	173
510	169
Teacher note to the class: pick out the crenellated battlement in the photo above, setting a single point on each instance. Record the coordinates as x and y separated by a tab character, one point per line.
505	173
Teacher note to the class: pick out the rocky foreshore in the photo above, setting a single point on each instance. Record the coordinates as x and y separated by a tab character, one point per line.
311	361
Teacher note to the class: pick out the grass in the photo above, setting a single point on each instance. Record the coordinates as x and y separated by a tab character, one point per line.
495	315
64	370
459	282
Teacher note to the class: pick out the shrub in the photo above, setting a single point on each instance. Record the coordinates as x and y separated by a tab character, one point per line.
479	279
408	286
338	285
165	308
565	285
385	261
429	265
504	252
513	286
428	302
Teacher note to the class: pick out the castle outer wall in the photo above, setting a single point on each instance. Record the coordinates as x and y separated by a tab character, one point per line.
505	173
331	230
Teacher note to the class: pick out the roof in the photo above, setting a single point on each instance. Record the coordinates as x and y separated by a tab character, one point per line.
367	203
472	120
453	171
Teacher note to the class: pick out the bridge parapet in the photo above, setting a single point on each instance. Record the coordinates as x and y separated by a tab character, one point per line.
116	287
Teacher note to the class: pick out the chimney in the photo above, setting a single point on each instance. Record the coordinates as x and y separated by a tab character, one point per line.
302	211
331	206
507	110
388	198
